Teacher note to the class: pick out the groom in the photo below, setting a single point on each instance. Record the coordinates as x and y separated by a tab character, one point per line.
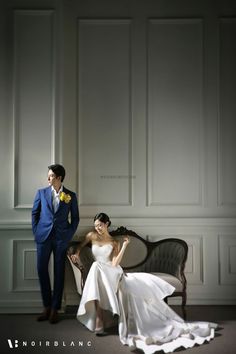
55	217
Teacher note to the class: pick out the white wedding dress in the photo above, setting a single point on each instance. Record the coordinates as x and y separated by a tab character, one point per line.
145	321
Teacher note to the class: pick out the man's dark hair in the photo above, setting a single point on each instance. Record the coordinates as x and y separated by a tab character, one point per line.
58	170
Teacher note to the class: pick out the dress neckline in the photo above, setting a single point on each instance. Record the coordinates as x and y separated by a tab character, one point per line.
101	245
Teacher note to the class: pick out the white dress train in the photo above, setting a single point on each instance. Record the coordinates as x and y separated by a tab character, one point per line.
145	321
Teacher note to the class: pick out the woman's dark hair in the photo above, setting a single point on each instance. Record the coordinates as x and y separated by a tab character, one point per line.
103	218
58	170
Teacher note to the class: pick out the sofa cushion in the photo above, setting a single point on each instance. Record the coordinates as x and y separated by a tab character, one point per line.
175	282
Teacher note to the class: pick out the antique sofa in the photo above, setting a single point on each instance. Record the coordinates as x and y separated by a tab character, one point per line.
165	258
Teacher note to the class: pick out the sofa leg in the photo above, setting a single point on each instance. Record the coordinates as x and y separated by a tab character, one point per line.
184	313
184	300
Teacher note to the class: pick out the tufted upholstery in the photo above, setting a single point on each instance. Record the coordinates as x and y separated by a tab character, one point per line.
165	258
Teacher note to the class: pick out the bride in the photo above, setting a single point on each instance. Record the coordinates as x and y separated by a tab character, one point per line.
145	321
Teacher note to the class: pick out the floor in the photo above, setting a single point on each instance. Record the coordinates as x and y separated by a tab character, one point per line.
23	334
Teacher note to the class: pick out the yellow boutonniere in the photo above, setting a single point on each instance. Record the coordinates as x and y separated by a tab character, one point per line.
65	197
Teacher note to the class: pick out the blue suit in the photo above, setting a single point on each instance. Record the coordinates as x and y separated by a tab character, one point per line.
53	231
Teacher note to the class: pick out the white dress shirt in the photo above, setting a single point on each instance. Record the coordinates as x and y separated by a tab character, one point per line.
56	198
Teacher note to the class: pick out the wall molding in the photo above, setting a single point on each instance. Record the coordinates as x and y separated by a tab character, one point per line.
22	95
19	280
222	119
227	256
146	222
198	201
90	22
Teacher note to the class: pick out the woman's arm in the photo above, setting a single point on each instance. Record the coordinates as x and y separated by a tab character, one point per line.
118	254
88	238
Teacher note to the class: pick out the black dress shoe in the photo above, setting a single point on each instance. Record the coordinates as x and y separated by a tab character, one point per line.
53	318
100	332
44	316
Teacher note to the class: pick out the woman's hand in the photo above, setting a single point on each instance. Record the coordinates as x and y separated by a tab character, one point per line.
126	240
75	257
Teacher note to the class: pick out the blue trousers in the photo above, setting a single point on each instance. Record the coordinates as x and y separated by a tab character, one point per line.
58	248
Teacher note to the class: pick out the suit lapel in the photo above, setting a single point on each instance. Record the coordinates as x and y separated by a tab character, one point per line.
65	190
48	196
60	202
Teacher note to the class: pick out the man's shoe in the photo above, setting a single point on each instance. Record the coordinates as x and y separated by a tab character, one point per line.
53	318
44	316
100	332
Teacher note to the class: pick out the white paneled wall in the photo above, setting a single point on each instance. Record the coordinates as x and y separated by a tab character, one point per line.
175	95
34	118
105	126
138	103
227	112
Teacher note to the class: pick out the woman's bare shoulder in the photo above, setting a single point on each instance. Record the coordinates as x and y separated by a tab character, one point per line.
92	236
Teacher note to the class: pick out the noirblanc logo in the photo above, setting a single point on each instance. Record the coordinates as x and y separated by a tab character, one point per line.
11	345
15	343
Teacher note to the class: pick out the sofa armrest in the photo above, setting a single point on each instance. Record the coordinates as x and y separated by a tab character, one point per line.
77	271
81	268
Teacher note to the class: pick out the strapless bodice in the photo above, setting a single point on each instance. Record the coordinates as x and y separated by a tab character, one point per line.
102	253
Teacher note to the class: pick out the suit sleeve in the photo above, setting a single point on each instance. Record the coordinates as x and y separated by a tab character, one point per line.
36	211
74	213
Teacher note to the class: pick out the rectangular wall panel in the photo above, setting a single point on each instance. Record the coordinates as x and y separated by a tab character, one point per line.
227	258
33	101
195	261
30	269
227	112
104	108
24	267
175	112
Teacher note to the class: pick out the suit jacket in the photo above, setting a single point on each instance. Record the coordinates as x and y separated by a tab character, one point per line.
44	219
